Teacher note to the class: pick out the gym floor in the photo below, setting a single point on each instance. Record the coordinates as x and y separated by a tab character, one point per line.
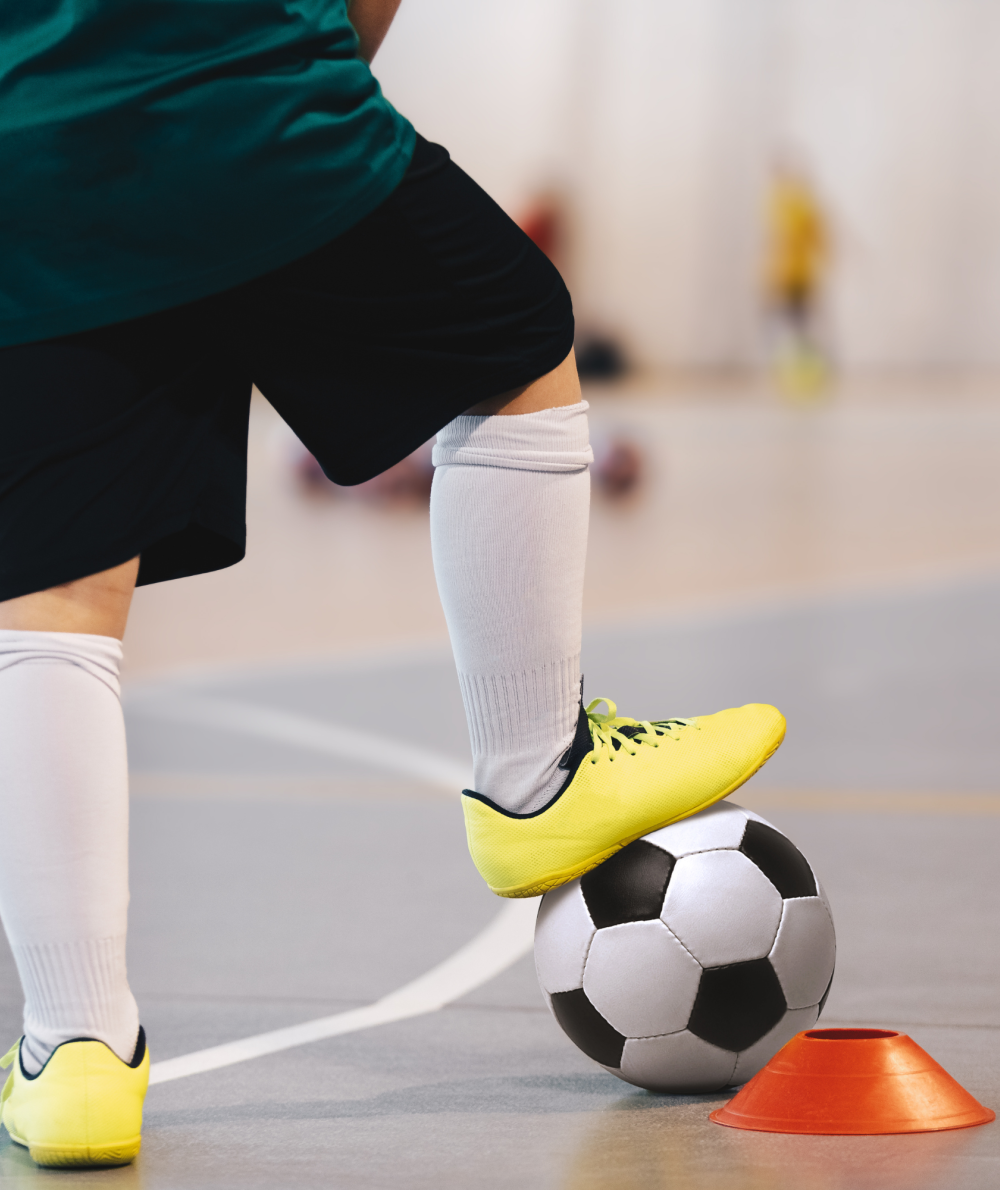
296	737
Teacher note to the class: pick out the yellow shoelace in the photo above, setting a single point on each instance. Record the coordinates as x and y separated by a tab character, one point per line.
608	736
5	1061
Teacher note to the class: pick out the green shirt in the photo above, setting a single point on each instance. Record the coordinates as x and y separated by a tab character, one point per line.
156	151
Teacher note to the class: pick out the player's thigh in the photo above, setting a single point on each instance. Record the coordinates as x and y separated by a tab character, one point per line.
555	389
97	604
431	304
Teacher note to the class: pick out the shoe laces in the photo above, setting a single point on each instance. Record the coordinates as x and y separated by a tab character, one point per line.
613	732
5	1061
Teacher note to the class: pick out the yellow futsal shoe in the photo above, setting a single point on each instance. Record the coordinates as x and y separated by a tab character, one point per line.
83	1108
625	778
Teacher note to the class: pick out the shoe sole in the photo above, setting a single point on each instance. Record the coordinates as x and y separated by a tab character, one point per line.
537	887
80	1156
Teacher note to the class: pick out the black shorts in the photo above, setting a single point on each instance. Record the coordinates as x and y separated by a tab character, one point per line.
131	439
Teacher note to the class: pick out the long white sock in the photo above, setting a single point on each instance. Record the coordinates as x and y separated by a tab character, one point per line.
509	511
64	860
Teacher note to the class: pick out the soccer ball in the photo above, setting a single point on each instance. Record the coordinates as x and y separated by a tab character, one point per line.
687	960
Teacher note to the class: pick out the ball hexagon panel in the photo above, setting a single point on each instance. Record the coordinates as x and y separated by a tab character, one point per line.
586	1028
721	825
821	893
629	886
722	907
738	1005
804	951
640	979
779	859
758	1055
563	933
679	1062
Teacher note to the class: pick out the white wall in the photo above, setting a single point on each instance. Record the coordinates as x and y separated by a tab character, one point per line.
660	117
898	104
493	82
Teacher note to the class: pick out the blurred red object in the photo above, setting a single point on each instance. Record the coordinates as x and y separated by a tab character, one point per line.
618	466
544	223
408	482
618	470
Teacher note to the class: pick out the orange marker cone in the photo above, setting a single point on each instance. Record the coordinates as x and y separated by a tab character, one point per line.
852	1082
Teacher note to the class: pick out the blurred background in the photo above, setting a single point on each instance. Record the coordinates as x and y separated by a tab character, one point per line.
780	221
659	124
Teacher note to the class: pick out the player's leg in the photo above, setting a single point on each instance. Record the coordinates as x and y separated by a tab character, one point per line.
509	515
97	605
116	444
437	314
557	789
64	805
555	389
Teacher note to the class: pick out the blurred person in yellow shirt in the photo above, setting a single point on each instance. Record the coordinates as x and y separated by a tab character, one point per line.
797	254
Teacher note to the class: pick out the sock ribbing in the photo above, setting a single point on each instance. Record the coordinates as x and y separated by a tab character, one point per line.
76	989
64	806
509	713
509	510
520	725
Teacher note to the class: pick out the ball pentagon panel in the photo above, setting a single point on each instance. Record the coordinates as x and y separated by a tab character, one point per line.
629	886
779	859
722	907
826	996
755	817
640	979
737	1005
586	1028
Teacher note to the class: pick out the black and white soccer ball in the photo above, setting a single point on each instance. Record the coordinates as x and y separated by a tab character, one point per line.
687	960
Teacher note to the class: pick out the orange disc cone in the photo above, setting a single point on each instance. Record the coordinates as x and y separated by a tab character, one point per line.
852	1082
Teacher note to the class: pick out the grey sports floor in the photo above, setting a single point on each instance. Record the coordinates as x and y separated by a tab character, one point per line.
277	882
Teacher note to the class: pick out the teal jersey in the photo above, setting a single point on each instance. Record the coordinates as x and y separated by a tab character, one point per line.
156	151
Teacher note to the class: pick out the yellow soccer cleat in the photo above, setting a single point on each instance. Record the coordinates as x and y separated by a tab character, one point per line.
625	778
83	1108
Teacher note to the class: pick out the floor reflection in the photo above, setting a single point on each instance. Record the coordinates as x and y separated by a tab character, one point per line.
663	1144
17	1167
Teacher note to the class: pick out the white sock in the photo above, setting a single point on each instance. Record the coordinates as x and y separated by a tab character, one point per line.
64	862
509	510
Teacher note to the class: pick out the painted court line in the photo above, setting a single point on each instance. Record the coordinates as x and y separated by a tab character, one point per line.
503	942
506	939
315	735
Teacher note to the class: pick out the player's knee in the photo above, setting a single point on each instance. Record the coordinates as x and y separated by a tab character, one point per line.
96	603
558	387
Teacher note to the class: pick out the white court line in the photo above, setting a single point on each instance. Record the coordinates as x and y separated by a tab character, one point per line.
503	942
347	743
506	939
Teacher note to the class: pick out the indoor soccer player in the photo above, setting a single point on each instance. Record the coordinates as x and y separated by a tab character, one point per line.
196	197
